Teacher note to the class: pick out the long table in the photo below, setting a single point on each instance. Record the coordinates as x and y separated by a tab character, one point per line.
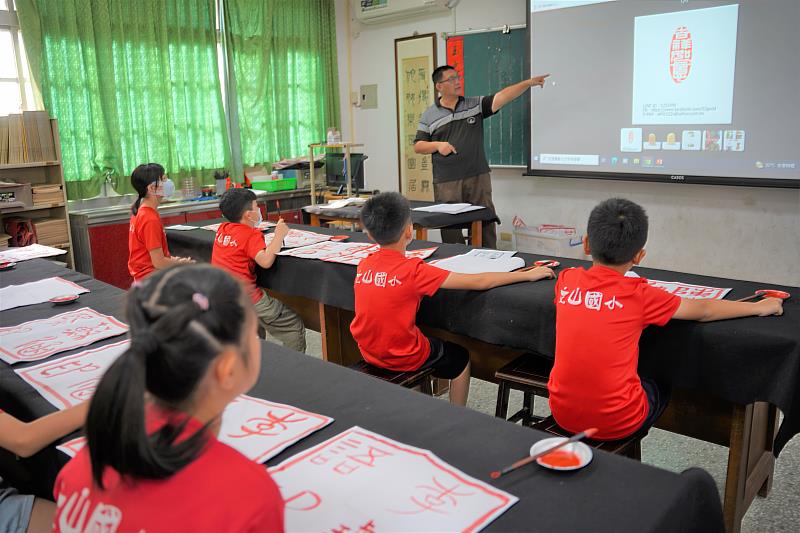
611	494
729	378
422	220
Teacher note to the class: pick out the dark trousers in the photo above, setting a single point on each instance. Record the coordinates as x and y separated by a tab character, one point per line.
476	190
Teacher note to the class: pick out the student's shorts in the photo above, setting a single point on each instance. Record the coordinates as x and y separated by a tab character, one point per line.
15	509
447	359
657	400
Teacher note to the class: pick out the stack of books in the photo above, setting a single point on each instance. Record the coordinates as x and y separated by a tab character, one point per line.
26	138
51	231
47	195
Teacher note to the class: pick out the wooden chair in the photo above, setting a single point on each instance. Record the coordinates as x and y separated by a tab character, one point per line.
528	373
628	447
417	378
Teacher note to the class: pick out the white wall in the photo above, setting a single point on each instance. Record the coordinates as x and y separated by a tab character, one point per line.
737	232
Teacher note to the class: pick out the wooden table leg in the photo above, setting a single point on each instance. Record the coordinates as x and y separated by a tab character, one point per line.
315	221
338	345
751	463
477	233
421	233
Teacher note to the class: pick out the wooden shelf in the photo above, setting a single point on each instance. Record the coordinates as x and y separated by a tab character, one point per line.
35	164
10	210
42	172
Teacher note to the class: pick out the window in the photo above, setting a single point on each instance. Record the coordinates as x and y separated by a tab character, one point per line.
16	88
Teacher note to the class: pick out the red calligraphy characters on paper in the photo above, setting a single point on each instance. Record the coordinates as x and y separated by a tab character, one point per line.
435	498
268	426
680	54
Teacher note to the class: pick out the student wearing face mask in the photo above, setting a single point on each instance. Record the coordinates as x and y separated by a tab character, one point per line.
147	241
238	247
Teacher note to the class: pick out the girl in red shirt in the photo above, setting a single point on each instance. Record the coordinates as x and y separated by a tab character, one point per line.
147	242
153	462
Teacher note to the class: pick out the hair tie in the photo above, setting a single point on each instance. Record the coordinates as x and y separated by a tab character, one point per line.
144	343
201	300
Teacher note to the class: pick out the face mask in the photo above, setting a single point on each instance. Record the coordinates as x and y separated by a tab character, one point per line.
165	189
260	219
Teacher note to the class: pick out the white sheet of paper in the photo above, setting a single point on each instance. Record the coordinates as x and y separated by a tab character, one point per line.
72	447
37	292
449	209
360	479
297	238
344	202
261	429
37	339
23	253
348	253
181	227
265	225
480	260
70	380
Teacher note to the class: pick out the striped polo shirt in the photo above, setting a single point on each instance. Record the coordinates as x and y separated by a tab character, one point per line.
461	127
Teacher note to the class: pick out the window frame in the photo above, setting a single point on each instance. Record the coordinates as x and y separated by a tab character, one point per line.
9	22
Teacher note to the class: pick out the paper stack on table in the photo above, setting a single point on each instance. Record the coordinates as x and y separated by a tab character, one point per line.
449	209
23	253
480	260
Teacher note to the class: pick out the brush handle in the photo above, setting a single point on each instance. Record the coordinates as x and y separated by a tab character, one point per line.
748	298
530	459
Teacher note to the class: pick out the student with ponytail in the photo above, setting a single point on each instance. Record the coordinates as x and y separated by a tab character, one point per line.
147	242
153	462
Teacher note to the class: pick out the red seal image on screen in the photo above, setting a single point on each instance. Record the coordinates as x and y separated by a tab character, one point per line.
680	54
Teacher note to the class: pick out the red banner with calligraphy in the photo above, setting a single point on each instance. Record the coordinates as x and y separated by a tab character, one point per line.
455	57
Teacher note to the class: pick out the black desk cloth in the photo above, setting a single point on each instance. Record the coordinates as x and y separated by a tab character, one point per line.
741	361
420	218
611	494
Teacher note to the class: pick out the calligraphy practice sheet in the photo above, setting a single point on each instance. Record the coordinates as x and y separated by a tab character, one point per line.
297	238
261	429
38	339
366	482
72	447
37	292
23	253
348	253
685	290
693	292
70	380
480	260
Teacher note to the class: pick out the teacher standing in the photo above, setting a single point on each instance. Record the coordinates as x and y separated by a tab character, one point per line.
452	130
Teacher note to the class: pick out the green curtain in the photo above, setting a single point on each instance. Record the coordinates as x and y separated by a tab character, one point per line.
285	74
130	82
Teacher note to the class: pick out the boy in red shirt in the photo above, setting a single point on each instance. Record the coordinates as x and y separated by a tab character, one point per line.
600	315
238	247
147	242
389	288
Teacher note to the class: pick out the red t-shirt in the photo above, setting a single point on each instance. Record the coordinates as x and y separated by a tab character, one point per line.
235	250
388	290
220	491
600	315
146	234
